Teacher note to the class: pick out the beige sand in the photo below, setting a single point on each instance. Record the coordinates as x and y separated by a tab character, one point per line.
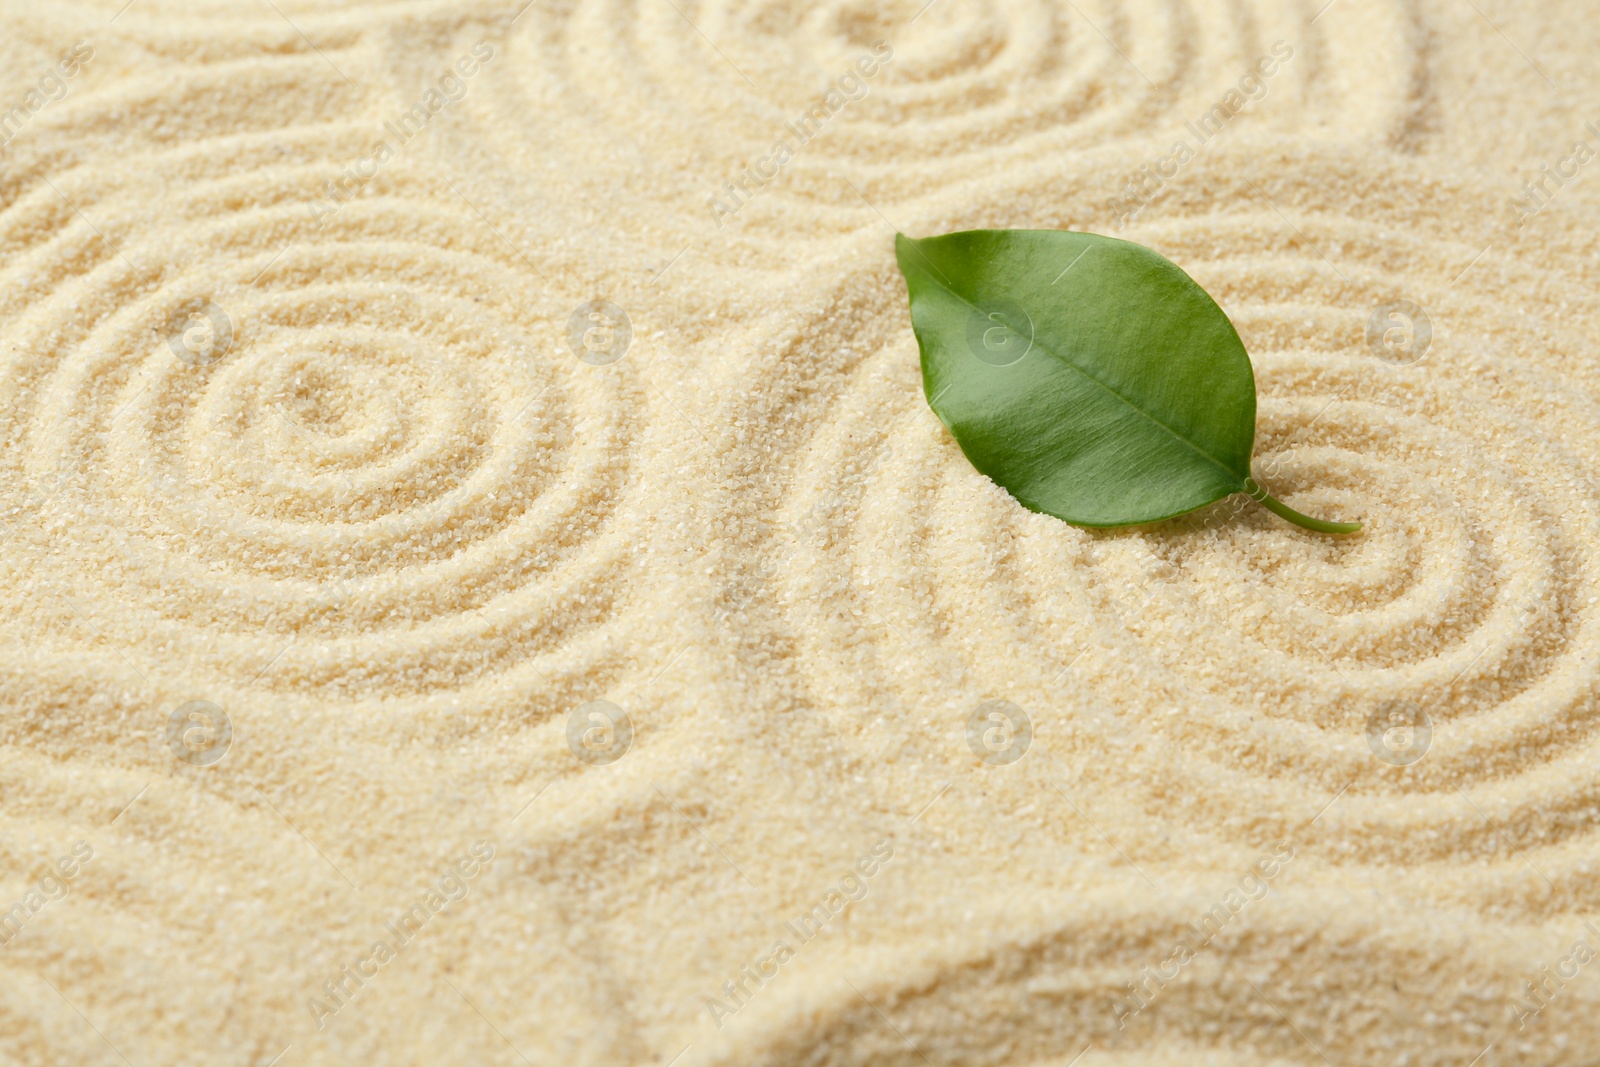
323	457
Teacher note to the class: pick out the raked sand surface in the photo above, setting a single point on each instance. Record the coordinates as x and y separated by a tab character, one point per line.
316	534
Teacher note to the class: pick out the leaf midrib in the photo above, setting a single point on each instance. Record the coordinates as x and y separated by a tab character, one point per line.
1059	358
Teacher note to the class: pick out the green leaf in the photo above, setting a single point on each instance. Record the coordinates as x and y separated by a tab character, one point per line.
1089	377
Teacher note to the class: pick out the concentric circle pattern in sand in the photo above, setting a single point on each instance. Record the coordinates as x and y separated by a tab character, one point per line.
364	434
1454	441
1241	677
554	485
793	125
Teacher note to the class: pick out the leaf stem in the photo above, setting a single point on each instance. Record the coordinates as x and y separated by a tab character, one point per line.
1284	511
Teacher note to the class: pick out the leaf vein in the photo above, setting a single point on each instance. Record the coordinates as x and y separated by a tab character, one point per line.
1065	362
